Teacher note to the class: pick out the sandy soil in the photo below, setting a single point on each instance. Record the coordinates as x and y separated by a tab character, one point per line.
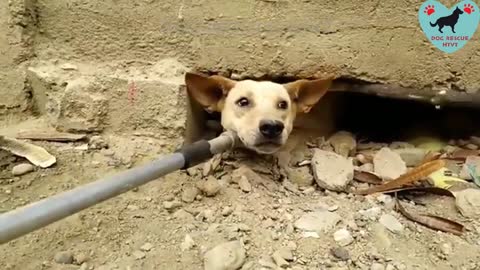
137	231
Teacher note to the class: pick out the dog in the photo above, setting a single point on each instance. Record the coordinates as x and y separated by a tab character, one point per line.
450	20
261	113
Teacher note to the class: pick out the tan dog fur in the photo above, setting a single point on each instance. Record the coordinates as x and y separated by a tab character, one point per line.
245	105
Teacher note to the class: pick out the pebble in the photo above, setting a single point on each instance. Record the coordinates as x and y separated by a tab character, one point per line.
187	243
97	142
470	161
343	237
331	171
80	258
279	260
138	255
471	146
171	205
189	194
22	169
227	211
227	256
64	257
210	187
340	253
377	266
468	202
318	221
244	184
391	223
267	262
300	176
146	247
475	140
371	213
343	143
388	164
286	253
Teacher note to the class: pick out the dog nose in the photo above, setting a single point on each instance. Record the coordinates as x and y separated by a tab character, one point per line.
271	128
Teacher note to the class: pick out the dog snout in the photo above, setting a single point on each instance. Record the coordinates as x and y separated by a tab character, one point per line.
271	128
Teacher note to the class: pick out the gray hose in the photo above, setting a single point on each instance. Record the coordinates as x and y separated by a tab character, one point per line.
31	217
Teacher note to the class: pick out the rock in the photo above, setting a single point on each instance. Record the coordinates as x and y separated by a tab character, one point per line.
318	221
80	258
411	156
473	161
471	146
279	260
172	205
84	266
210	187
343	237
187	243
371	213
300	176
68	66
146	247
139	255
267	262
468	202
391	223
398	145
227	256
22	169
244	184
227	211
367	167
388	164
97	142
340	253
331	171
343	143
377	266
286	253
380	237
64	257
189	194
475	140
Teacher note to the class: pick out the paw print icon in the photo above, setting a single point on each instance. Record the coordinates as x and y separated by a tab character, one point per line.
468	8
429	10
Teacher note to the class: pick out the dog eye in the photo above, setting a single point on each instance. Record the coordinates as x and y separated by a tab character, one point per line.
242	102
282	105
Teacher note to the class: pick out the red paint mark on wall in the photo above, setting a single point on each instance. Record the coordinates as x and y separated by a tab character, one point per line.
132	92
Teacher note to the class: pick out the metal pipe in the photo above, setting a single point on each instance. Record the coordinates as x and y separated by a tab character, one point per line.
29	218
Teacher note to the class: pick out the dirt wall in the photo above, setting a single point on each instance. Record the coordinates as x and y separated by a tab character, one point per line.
377	41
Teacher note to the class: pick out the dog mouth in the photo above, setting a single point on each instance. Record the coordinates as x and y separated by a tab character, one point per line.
267	147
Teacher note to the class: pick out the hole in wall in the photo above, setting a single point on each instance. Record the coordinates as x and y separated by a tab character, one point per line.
371	115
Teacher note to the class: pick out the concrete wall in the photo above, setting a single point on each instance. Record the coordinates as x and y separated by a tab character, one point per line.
376	41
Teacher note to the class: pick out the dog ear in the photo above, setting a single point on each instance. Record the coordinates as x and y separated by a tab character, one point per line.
208	91
306	93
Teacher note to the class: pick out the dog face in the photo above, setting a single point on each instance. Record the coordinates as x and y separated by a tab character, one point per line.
458	11
260	112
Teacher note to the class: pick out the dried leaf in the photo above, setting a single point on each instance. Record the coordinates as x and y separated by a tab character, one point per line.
367	177
416	174
433	190
433	222
431	156
53	136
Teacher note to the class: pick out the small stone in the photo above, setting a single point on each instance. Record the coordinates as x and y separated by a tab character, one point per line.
227	256
343	143
187	243
377	266
367	167
340	253
279	261
84	266
388	164
189	194
331	171
475	140
146	247
227	211
333	208
468	202
391	223
286	253
244	184
300	176
138	255
80	258
343	237
318	221
411	156
471	146
267	262
210	187
171	205
22	169
64	257
97	142
371	213
446	249
68	66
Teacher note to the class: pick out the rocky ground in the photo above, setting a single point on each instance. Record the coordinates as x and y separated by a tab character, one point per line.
239	210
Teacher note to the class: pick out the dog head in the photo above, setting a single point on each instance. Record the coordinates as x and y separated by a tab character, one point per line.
260	112
458	11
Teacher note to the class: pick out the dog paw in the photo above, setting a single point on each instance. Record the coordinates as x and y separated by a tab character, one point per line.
429	10
468	8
